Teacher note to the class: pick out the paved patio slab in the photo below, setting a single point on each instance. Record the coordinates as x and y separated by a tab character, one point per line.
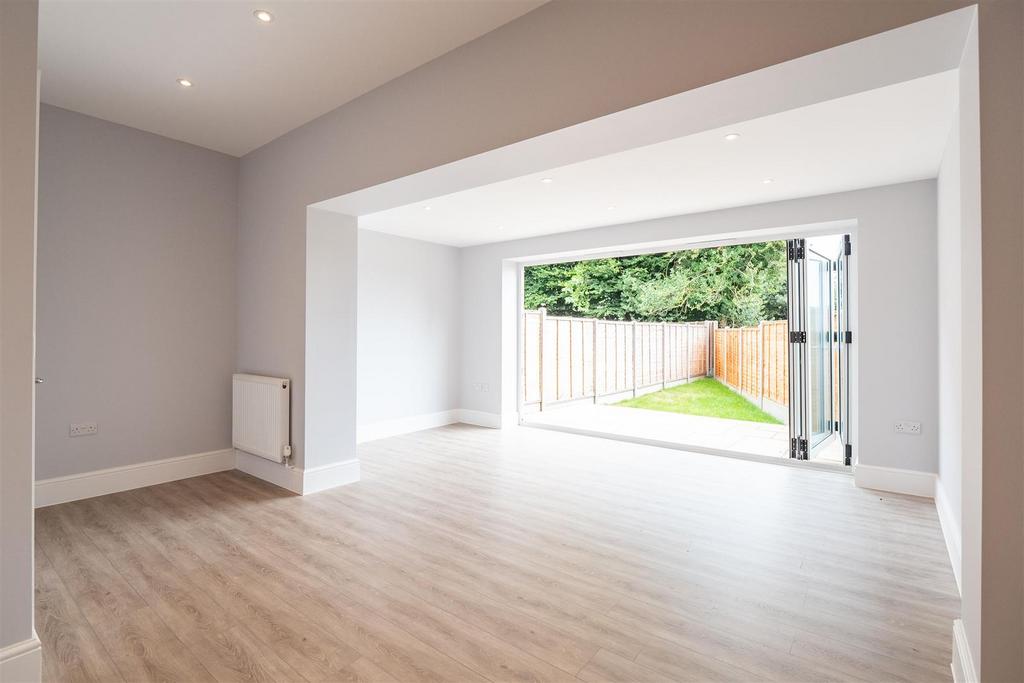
741	436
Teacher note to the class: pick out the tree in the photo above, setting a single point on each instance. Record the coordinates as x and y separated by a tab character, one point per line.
735	285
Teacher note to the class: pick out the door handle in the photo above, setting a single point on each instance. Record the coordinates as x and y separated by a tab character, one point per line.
39	380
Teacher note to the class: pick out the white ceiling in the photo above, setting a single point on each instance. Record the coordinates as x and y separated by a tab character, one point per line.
888	135
253	81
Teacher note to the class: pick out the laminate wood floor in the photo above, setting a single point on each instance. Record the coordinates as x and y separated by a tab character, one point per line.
469	554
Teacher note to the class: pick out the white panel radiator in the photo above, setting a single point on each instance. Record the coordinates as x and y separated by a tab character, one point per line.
259	416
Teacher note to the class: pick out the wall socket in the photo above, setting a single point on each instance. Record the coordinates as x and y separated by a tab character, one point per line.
83	429
908	427
482	387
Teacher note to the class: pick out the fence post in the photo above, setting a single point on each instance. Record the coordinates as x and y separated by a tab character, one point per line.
572	385
689	354
760	363
739	376
664	355
712	326
725	356
593	361
540	355
634	358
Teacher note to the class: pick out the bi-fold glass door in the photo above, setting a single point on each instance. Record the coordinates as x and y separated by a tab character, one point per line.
819	339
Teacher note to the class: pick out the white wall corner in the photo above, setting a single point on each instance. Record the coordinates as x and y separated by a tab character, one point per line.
480	418
295	479
329	422
22	662
127	477
275	473
950	529
895	480
405	425
329	476
963	662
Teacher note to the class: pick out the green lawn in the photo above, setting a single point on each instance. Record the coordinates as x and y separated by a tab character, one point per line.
707	397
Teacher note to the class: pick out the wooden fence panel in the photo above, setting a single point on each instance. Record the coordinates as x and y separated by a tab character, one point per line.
775	366
720	351
531	357
567	359
733	359
753	360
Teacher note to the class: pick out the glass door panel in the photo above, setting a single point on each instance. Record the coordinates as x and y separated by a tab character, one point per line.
797	376
844	339
819	351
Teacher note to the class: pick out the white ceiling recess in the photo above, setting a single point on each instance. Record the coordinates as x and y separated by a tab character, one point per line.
252	81
878	137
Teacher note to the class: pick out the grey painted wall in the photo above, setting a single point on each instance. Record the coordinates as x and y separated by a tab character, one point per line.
18	119
894	273
409	328
136	300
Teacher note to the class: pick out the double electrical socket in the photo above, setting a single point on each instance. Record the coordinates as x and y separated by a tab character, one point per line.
83	429
908	427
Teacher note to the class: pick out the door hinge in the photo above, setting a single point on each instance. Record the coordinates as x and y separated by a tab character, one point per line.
847	247
796	250
848	457
798	448
798	337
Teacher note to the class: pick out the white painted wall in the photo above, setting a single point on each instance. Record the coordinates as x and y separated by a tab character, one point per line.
951	345
408	331
894	272
19	650
136	324
967	161
331	310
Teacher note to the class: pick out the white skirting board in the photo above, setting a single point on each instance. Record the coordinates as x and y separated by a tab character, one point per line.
114	479
895	480
296	480
329	476
416	423
404	425
479	418
963	663
22	662
950	529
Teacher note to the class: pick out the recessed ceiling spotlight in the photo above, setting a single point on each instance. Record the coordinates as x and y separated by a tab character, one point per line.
611	207
184	83
547	181
427	208
732	136
263	15
768	181
501	227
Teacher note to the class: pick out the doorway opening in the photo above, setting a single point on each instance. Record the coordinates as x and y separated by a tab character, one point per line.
735	349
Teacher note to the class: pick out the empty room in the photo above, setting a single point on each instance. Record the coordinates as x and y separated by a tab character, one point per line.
504	340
